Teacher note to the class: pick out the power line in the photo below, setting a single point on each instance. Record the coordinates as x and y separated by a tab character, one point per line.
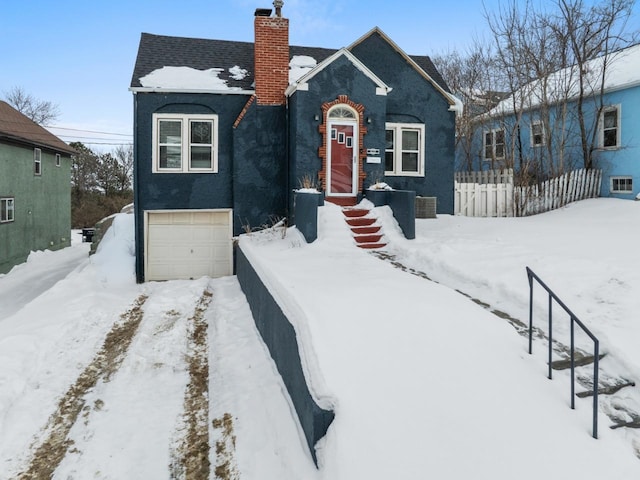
106	143
91	131
88	138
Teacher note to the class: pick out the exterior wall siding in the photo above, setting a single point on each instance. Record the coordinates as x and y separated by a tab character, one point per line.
614	162
42	204
623	161
260	168
339	78
251	162
415	100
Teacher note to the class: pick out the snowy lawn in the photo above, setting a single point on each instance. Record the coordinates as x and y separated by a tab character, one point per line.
424	381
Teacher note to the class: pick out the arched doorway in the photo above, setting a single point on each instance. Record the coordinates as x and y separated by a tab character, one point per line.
342	151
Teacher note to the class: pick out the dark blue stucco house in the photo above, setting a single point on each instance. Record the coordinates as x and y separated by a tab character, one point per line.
225	131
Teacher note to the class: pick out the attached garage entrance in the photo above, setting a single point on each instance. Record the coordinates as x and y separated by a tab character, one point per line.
187	244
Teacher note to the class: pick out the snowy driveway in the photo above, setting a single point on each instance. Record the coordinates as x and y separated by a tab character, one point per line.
31	279
133	389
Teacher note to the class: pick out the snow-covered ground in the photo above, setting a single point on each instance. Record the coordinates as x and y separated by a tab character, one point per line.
424	381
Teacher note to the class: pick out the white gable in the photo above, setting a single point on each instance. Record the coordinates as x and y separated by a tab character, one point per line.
301	82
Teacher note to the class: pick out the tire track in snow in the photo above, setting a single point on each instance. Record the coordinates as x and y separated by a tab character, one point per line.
191	459
48	455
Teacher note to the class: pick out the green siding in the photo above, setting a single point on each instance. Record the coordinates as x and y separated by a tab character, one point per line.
42	204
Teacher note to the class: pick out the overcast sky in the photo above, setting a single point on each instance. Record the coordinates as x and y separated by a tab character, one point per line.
80	54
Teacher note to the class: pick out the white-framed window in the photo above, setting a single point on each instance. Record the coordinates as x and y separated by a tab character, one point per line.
404	149
493	144
57	159
610	127
537	134
37	161
621	185
7	209
185	143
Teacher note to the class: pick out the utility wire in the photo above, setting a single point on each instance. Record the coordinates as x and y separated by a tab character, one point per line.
90	131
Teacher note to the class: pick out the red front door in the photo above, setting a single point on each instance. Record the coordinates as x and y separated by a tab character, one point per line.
342	159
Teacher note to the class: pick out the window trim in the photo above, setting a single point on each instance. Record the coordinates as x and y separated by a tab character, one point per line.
610	108
7	204
397	151
185	145
493	156
543	134
618	178
37	161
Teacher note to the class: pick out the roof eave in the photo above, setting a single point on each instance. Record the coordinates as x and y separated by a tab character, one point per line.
381	87
34	143
190	90
449	98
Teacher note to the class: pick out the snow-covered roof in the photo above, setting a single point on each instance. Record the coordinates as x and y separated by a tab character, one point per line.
195	64
187	78
621	72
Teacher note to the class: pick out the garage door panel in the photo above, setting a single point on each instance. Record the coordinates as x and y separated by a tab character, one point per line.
183	245
202	233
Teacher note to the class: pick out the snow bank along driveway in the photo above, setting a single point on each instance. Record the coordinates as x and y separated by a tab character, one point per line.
103	378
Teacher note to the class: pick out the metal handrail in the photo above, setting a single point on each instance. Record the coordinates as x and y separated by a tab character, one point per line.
574	320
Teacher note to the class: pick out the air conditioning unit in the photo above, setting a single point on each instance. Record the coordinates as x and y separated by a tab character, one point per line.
425	207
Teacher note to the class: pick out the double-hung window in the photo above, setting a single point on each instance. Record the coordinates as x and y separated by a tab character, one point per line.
6	209
404	149
538	134
37	161
493	144
185	143
610	127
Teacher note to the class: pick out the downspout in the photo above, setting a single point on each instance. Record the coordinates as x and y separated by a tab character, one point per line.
287	159
138	221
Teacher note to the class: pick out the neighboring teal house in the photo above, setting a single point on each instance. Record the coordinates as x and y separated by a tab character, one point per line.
35	189
545	140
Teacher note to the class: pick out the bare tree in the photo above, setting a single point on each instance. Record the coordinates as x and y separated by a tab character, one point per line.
594	34
556	62
40	111
84	166
124	156
470	77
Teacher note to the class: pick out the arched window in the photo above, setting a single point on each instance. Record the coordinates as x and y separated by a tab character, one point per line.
342	112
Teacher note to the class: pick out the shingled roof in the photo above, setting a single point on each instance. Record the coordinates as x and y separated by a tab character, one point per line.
157	51
16	127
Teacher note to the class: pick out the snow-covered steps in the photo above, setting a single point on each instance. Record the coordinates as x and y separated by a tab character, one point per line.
342	201
366	232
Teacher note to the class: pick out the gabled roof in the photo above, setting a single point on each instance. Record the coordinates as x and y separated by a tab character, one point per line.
622	72
422	64
382	88
16	127
223	59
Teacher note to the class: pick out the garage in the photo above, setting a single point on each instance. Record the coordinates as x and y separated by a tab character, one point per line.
187	244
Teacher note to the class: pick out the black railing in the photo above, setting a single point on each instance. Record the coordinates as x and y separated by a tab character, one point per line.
574	320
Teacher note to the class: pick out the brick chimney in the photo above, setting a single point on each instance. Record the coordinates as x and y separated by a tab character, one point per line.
271	56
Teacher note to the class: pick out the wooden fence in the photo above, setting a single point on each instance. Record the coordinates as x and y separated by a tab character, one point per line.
557	192
485	177
492	193
484	200
488	193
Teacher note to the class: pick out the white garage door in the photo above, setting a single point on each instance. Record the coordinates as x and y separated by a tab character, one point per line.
185	244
